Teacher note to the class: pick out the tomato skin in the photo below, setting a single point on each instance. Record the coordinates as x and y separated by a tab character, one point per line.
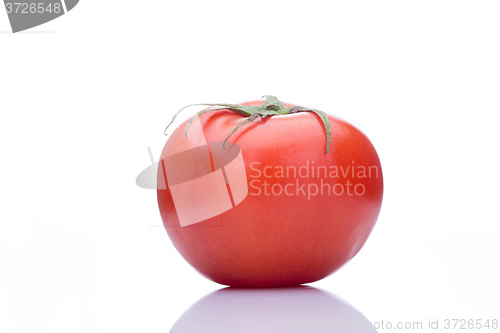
280	240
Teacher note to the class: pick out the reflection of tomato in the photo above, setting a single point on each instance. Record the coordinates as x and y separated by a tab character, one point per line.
306	213
295	309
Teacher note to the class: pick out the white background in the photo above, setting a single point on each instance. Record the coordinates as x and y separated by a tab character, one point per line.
83	96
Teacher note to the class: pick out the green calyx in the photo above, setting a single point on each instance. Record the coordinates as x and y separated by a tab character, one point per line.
271	107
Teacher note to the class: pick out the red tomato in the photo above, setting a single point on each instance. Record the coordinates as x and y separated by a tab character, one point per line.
272	209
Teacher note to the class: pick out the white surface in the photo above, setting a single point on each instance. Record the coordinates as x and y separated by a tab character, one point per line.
82	97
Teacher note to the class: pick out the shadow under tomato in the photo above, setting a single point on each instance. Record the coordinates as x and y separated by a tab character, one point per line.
276	310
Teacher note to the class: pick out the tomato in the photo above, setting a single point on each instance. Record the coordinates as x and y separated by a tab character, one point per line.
269	207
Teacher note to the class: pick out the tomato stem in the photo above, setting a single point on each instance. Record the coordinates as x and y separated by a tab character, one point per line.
272	106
